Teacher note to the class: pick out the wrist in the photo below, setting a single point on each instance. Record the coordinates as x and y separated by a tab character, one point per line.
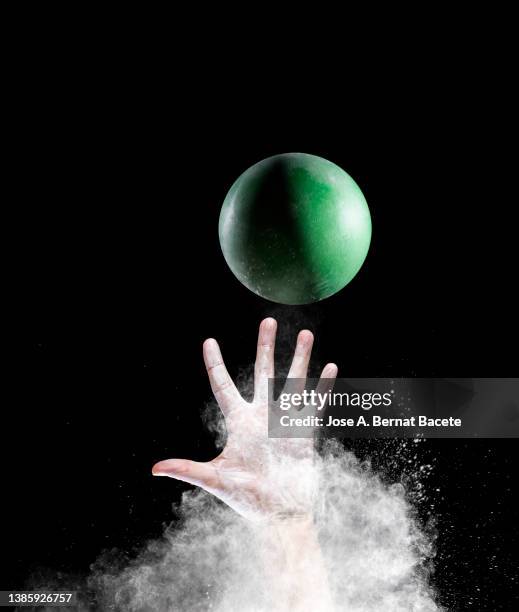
291	518
285	521
288	530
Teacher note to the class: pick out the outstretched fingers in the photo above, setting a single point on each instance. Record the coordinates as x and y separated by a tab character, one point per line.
264	366
224	389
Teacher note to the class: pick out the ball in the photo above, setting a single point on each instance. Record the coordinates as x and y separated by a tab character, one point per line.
295	228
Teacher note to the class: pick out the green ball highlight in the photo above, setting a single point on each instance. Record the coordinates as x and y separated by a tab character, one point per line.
295	228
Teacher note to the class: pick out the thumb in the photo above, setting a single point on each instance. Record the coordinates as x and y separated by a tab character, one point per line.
194	472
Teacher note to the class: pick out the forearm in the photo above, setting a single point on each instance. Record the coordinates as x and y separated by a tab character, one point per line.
294	565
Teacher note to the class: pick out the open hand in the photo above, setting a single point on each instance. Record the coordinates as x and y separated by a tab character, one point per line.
261	478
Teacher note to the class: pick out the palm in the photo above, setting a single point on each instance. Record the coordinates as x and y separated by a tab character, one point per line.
257	476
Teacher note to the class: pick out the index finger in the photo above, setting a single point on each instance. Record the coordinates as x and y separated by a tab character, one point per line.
222	384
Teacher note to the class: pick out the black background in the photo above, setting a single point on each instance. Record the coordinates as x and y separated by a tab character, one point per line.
124	240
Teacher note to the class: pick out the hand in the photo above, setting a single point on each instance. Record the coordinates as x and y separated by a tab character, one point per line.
261	478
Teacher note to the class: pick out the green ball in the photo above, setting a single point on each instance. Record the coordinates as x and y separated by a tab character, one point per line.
295	228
